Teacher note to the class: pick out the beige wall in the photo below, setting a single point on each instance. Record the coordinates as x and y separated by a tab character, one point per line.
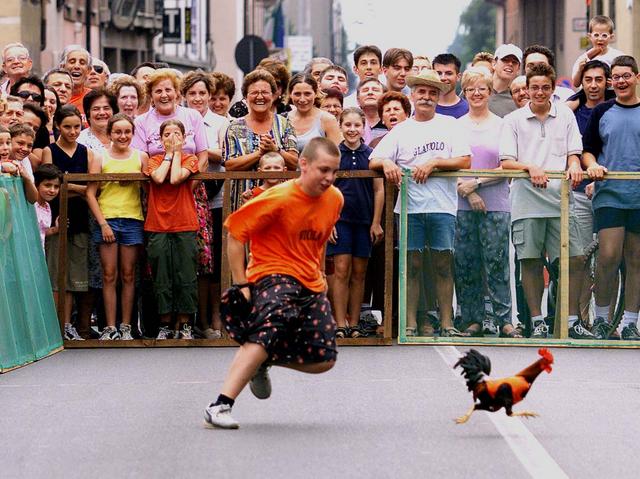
20	22
571	41
227	29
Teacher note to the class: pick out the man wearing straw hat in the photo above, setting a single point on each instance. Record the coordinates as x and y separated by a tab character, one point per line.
423	144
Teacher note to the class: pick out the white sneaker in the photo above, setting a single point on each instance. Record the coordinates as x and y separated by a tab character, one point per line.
260	383
185	332
211	333
109	333
125	332
164	333
71	334
220	416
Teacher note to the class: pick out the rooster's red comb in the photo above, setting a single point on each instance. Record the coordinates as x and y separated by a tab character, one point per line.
546	354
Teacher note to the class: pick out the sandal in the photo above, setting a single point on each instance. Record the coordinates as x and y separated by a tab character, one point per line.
452	333
516	332
355	332
341	332
474	331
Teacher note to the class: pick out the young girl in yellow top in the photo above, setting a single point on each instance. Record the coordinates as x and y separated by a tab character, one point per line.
118	211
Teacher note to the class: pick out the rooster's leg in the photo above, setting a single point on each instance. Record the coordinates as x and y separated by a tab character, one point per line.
465	418
526	414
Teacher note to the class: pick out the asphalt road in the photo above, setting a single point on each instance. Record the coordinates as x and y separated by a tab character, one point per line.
381	412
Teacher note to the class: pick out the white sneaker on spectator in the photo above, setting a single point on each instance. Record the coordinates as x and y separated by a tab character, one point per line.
220	416
185	332
164	333
211	333
109	333
125	332
71	334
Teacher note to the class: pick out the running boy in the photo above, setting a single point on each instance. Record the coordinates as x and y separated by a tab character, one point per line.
290	324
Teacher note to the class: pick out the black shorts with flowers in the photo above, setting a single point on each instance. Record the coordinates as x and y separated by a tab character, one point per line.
292	323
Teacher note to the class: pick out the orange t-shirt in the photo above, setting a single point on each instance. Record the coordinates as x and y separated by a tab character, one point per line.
288	230
76	100
171	208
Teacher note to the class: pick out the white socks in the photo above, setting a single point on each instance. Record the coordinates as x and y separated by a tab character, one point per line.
628	318
603	312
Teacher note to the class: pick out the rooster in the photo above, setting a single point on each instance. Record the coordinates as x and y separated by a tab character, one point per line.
494	394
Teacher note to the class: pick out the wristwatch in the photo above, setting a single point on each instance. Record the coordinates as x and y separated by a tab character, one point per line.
167	157
478	183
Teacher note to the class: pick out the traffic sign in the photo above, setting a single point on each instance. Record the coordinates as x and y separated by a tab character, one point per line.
171	25
249	52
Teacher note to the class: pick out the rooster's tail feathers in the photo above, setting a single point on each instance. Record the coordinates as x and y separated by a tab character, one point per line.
474	367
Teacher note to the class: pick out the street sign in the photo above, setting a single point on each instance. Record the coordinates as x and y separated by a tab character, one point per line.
300	51
579	24
171	25
249	52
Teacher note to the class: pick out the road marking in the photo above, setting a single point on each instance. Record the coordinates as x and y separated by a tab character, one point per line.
531	454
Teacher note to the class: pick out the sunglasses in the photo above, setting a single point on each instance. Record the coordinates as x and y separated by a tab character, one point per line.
99	69
37	97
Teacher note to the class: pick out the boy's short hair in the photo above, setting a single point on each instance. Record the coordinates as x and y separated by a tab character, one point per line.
37	111
446	59
542	70
311	150
270	155
170	122
482	57
601	20
591	64
47	171
551	58
22	129
366	49
334	93
625	61
393	55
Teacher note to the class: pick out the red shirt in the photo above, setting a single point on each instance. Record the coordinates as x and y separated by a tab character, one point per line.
172	208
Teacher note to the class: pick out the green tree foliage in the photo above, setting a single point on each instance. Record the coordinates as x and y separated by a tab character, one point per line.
476	31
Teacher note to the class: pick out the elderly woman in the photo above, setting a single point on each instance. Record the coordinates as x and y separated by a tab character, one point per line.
307	119
197	88
99	106
260	131
482	230
332	102
129	94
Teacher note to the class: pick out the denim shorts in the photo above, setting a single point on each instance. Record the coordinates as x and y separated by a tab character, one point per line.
353	239
128	232
436	231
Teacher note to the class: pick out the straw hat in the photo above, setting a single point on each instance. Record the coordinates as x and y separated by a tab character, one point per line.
429	78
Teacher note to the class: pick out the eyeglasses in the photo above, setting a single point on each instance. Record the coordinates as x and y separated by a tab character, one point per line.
37	97
546	88
255	94
598	36
482	89
99	69
20	58
625	76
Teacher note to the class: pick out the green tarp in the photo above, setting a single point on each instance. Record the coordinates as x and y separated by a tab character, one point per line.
28	322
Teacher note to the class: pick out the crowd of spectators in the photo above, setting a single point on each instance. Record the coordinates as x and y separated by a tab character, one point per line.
504	111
